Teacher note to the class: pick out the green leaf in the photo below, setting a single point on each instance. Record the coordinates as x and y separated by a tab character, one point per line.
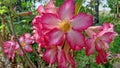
58	2
78	6
115	45
2	26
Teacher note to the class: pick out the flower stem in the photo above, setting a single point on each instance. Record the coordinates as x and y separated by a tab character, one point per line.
16	38
37	56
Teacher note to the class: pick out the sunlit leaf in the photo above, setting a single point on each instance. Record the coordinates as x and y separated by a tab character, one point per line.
78	6
2	26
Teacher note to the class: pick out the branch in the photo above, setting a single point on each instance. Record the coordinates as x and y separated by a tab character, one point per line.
37	56
24	53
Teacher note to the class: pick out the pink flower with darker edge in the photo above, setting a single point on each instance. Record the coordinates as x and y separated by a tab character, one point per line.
55	53
38	31
100	37
26	41
65	26
10	48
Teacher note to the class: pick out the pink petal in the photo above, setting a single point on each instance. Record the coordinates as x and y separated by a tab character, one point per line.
6	44
106	45
61	58
50	20
93	30
40	9
71	61
6	50
99	45
10	56
75	39
50	55
27	35
108	27
39	48
101	58
90	33
51	10
50	4
90	46
55	37
82	21
50	7
9	47
66	11
108	37
22	39
36	21
21	53
29	41
16	46
28	48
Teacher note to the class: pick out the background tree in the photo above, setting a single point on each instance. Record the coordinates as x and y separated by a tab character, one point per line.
96	11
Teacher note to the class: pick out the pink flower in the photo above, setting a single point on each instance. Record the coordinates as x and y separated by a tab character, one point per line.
38	31
50	55
65	26
100	37
10	48
55	53
26	41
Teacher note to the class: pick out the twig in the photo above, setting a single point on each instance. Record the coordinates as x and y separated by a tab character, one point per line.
22	62
24	53
37	56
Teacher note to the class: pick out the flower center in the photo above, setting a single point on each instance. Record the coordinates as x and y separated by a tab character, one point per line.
65	26
23	44
101	44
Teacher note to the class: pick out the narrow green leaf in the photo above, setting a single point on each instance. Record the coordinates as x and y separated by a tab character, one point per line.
78	6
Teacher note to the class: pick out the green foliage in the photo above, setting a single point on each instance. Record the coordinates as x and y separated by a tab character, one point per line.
82	60
3	9
58	2
26	5
2	26
107	18
115	45
117	27
108	65
8	2
112	4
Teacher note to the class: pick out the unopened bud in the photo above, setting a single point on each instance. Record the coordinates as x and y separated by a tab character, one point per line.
25	13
